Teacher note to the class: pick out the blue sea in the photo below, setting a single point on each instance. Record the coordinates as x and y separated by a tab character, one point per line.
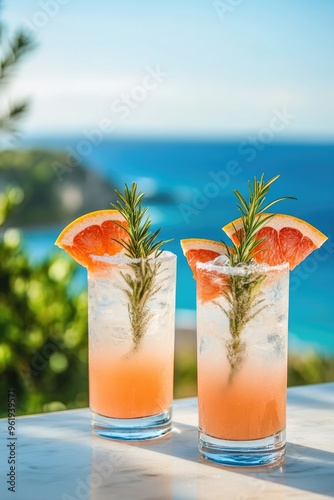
190	186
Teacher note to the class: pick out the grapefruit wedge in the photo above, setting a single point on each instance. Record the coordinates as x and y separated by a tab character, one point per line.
92	234
285	239
212	284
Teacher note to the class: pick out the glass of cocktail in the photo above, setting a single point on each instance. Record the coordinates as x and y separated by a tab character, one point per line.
242	362
131	304
131	346
242	326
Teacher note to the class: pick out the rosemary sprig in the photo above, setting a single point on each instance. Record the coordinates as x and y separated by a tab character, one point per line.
243	294
140	284
252	219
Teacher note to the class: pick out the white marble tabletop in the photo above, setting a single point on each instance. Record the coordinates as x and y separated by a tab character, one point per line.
58	458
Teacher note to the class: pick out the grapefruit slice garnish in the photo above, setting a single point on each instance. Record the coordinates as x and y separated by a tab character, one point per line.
209	284
285	239
92	234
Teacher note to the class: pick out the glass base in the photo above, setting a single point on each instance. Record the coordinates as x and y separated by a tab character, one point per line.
268	451
132	429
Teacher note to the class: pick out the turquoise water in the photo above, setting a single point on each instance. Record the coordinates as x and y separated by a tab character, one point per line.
191	187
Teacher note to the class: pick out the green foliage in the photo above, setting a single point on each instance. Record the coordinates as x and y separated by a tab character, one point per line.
12	50
43	337
185	372
310	369
43	330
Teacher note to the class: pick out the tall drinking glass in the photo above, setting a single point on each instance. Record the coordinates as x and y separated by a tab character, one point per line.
131	319
242	320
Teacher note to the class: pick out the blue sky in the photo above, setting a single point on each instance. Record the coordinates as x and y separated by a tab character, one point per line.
228	66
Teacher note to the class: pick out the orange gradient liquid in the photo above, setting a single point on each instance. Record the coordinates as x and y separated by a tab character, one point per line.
251	406
133	386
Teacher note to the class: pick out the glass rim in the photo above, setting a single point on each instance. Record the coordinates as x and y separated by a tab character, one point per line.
121	258
242	270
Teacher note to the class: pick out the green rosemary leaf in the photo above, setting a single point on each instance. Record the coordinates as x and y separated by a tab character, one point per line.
276	201
142	244
243	293
242	201
271	181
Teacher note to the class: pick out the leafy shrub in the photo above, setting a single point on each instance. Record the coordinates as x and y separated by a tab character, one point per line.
310	369
43	329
